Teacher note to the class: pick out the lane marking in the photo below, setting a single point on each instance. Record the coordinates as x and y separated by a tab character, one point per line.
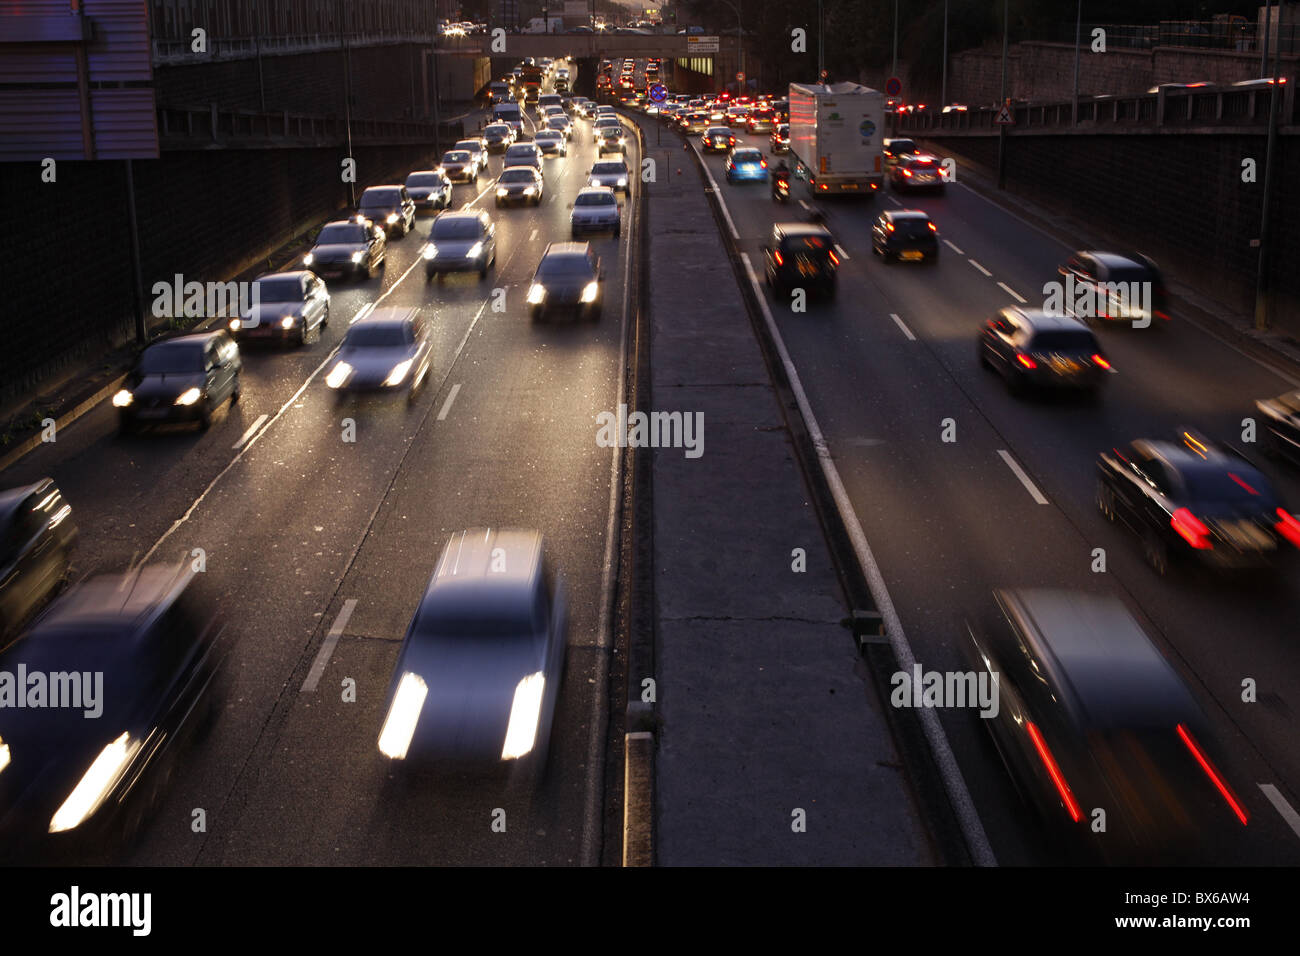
249	434
1024	478
722	203
893	200
953	248
532	235
1012	292
327	649
362	312
955	785
446	406
1282	807
906	330
980	267
840	249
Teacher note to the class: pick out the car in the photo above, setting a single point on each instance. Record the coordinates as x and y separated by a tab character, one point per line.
481	665
746	164
551	142
760	120
1090	714
1193	499
916	171
287	307
82	777
459	166
184	378
737	114
896	148
800	255
390	207
548	99
568	278
607	121
37	535
610	140
1033	348
779	141
1114	286
519	184
561	124
524	154
354	247
461	242
429	189
477	149
718	139
612	173
586	109
497	136
907	234
696	122
595	209
1279	426
387	350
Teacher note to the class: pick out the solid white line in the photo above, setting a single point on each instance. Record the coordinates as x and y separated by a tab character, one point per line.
953	248
979	267
362	312
446	406
249	434
327	649
1281	806
722	203
1012	292
1024	479
906	330
963	806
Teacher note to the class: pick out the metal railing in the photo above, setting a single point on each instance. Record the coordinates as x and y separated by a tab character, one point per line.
169	52
204	127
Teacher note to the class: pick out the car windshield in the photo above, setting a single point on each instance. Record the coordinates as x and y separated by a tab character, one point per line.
900	146
448	228
518	176
808	246
564	266
912	227
1230	485
288	289
381	198
525	151
497	129
747	156
548	136
921	164
459	156
342	232
1065	340
609	169
558	121
595	199
468	146
1130	273
385	336
172	360
423	179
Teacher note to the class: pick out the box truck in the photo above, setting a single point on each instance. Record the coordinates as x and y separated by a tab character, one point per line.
836	134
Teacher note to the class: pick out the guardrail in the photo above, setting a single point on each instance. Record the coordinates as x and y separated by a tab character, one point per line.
199	127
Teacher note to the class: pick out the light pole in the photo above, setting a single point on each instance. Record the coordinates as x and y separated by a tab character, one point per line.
739	40
347	98
1002	128
1261	274
1078	29
943	84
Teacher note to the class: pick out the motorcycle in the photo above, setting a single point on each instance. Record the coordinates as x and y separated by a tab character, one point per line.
781	187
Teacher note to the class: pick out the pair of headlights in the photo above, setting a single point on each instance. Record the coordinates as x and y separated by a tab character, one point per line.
341	372
537	293
124	398
408	702
476	250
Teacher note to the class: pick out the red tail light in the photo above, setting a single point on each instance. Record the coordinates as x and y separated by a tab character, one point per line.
763	163
1212	773
1026	360
1288	527
835	260
933	227
889	227
1242	483
1053	771
777	257
907	172
1190	528
1100	361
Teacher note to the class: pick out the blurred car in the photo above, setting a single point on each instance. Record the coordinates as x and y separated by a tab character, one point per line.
916	171
524	154
497	136
139	655
548	99
1280	426
779	142
905	234
477	149
459	166
1116	286
461	242
595	209
737	114
717	139
291	306
760	120
480	668
429	189
519	184
348	247
551	143
894	149
37	535
607	121
611	140
1195	500
746	164
586	109
696	122
568	278
561	124
1030	348
390	207
800	255
612	173
1090	715
388	350
180	379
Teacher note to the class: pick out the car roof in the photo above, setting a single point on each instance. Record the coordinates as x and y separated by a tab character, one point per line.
482	569
452	214
531	169
566	249
1041	321
602	190
918	214
424	172
11	498
1206	457
1114	260
187	339
293	273
801	229
128	599
386	316
370	189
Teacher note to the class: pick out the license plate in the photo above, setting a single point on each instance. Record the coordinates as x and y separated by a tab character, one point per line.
912	254
850	185
152	413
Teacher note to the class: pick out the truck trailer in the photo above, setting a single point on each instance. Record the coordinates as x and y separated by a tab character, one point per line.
836	138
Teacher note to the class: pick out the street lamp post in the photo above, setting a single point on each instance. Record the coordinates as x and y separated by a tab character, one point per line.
739	28
1002	128
1078	29
943	83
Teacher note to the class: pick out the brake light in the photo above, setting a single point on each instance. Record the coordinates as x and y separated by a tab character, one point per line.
1212	773
835	260
1191	529
1288	527
1026	360
889	227
1100	361
907	173
777	257
763	163
933	227
822	186
1053	771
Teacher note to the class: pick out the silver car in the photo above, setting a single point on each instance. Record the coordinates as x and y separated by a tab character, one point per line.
290	307
461	242
595	210
612	173
477	150
387	351
551	143
519	184
459	166
429	189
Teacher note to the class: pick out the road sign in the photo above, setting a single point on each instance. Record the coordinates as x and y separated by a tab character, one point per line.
696	45
740	77
658	93
893	86
1004	117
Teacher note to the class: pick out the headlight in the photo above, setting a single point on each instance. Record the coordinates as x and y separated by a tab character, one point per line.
622	180
536	293
358	256
392	219
95	785
286	322
398	373
525	715
235	325
503	191
403	715
338	375
308	259
474	250
123	399
589	291
430	251
594	182
4	755
529	190
189	396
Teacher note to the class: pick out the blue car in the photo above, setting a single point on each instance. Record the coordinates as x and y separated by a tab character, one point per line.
746	165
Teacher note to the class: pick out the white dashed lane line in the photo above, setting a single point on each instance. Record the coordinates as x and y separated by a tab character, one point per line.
1024	479
1282	807
1012	292
446	406
252	430
327	649
979	267
953	248
906	330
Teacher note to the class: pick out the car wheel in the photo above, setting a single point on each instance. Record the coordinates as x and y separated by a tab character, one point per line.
367	273
325	319
1156	552
984	356
1105	500
617	229
302	333
482	272
1016	383
205	417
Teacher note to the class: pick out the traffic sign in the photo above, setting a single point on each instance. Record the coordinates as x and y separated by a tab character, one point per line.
740	77
1004	117
658	92
824	75
893	86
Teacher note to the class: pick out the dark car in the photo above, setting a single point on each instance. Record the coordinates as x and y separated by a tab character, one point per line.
595	209
569	277
355	247
37	535
462	241
611	140
1030	348
895	149
916	171
133	659
523	154
388	350
907	234
760	120
391	207
746	164
779	141
717	139
459	166
1123	287
479	672
498	136
1279	426
520	184
181	379
800	255
290	307
429	189
1091	717
1195	500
